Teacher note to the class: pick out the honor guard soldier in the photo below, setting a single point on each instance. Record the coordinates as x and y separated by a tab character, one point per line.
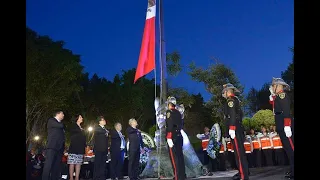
284	123
234	117
175	141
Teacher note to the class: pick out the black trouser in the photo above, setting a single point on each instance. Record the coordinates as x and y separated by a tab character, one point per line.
222	161
29	170
133	165
177	159
289	148
117	159
250	160
240	155
205	157
209	162
100	163
231	159
256	155
52	165
267	157
279	157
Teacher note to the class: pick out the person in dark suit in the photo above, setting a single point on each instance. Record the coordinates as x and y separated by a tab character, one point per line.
135	143
77	147
55	147
100	149
117	149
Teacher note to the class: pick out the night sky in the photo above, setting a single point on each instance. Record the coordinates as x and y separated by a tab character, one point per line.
252	37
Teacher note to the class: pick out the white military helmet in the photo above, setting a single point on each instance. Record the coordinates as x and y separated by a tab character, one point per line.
172	100
277	81
229	86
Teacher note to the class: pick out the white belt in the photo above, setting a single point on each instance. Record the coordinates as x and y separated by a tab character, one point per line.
277	147
268	147
248	151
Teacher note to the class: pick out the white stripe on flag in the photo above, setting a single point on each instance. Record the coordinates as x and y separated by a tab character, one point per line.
151	12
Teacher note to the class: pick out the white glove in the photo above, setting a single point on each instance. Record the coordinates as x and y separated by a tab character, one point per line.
271	90
232	133
287	130
200	136
271	98
170	143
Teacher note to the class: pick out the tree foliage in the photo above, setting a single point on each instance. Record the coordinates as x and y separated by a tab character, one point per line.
263	117
213	78
248	123
259	99
173	63
253	101
51	78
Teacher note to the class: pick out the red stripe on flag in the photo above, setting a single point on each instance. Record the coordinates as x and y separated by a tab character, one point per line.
147	52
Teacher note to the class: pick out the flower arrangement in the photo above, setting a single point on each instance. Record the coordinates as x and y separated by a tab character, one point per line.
144	155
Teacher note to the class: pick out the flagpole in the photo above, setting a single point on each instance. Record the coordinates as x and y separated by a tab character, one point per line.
163	80
162	58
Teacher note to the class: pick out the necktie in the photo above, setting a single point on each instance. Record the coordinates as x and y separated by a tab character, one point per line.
122	140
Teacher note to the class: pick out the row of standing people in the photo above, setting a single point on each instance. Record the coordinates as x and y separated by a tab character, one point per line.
262	149
284	125
55	148
117	150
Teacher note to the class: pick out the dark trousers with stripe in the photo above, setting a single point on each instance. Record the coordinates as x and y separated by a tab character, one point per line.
177	159
289	148
240	155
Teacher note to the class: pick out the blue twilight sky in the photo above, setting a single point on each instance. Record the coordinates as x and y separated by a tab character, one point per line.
250	36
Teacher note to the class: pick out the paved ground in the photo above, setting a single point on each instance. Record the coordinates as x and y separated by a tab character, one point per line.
265	173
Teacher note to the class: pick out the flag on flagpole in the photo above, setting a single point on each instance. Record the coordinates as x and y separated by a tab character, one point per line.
146	61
